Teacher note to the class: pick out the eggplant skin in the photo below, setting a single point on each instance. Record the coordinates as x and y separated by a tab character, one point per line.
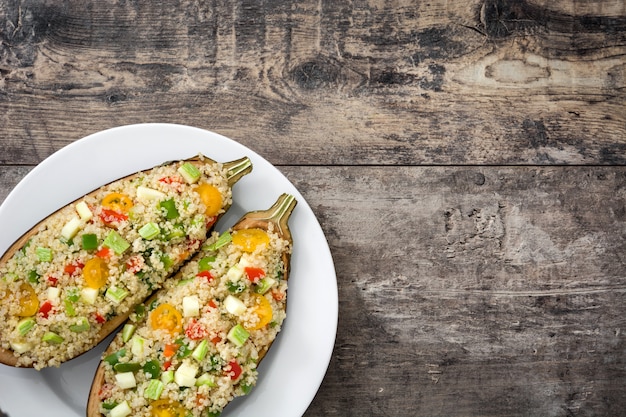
233	272
74	278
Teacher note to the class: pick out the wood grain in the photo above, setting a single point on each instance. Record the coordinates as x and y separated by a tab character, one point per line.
476	291
342	82
465	160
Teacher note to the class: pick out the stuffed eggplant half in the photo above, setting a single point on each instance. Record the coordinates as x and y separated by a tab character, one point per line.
195	345
75	277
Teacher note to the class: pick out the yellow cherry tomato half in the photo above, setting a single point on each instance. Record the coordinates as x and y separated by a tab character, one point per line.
263	309
211	198
249	239
118	202
96	273
166	317
167	408
29	303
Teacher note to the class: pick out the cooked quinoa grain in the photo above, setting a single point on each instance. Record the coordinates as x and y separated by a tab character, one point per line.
100	256
196	344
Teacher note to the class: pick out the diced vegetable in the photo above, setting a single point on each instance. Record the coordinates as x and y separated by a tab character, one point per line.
246	388
206	379
191	306
126	367
149	231
238	335
53	338
206	263
114	357
235	370
189	172
70	311
81	325
177	230
84	212
33	277
169	207
121	410
154	389
89	295
45	309
167	261
25	325
264	285
44	254
222	240
71	228
116	242
201	350
185	375
128	331
147	194
167	377
111	217
234	273
125	380
99	318
234	305
254	274
152	369
195	330
10	277
104	253
170	349
206	275
183	351
116	294
235	287
109	405
89	241
73	294
53	294
137	346
20	346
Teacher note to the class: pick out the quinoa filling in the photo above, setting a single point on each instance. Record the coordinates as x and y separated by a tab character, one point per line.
195	345
100	256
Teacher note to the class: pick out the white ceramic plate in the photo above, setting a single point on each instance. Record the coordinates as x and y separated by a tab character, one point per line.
293	370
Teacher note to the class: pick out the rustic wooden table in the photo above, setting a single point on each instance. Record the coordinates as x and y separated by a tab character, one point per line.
466	160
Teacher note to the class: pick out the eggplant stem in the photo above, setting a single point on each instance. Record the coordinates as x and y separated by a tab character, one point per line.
237	169
278	214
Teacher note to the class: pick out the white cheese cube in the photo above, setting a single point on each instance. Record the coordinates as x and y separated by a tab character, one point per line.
125	380
71	228
191	306
53	293
235	273
137	346
147	194
121	410
185	375
234	305
19	346
89	295
83	211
